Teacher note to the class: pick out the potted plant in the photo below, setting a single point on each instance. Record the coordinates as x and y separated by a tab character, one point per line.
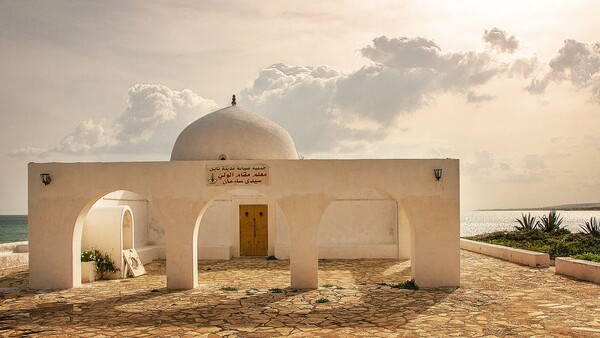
88	267
96	264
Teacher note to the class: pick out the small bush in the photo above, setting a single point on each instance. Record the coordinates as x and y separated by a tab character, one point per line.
592	227
104	265
560	249
328	286
409	285
275	290
550	223
527	223
322	300
228	288
588	256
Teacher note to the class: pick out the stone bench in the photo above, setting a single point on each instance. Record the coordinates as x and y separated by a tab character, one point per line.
524	257
578	268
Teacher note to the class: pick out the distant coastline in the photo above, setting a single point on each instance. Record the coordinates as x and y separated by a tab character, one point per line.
562	207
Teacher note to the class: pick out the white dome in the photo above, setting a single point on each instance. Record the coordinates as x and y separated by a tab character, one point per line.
234	134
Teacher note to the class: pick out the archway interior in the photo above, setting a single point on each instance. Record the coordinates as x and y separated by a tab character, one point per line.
218	233
360	224
219	228
364	224
118	221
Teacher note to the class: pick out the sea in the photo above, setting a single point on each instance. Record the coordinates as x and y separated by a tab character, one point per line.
14	228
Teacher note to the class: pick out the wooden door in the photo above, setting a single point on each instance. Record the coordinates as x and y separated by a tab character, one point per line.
254	235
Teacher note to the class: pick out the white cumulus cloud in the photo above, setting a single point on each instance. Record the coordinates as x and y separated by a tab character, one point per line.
86	137
154	116
576	62
325	109
500	41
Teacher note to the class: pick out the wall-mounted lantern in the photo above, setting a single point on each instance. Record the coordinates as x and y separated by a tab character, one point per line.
438	174
46	179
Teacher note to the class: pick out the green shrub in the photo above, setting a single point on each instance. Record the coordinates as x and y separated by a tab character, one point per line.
104	265
409	285
588	256
559	244
550	223
526	223
228	288
322	300
592	227
560	249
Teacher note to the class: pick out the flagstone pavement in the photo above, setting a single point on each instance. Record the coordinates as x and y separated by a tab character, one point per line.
251	297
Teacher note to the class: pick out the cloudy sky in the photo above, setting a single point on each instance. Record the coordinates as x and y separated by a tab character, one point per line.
511	88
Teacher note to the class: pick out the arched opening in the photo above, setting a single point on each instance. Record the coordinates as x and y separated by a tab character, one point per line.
360	224
112	223
220	228
367	225
230	219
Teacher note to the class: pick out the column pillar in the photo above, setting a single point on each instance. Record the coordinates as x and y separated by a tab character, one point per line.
303	213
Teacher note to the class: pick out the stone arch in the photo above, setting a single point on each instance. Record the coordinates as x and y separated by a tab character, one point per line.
78	229
218	233
403	247
276	217
361	223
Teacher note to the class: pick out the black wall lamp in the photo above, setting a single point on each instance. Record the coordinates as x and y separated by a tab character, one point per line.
438	174
46	179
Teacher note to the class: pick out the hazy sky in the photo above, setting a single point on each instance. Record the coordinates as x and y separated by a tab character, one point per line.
511	88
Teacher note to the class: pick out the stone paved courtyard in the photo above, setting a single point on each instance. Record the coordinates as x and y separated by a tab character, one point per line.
251	298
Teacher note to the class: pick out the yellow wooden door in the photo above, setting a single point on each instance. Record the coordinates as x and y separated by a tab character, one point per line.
254	230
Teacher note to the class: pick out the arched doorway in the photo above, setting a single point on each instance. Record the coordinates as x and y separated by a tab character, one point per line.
360	224
113	222
221	227
234	217
366	224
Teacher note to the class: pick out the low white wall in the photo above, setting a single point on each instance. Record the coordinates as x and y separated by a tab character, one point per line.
214	252
150	253
577	268
358	251
153	252
13	254
525	257
346	251
19	247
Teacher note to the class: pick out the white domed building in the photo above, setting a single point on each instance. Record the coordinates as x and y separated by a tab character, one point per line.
235	187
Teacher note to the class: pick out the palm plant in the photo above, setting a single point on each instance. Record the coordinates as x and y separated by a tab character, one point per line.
550	223
592	227
526	223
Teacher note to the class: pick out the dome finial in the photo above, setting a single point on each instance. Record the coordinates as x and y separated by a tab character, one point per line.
233	103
